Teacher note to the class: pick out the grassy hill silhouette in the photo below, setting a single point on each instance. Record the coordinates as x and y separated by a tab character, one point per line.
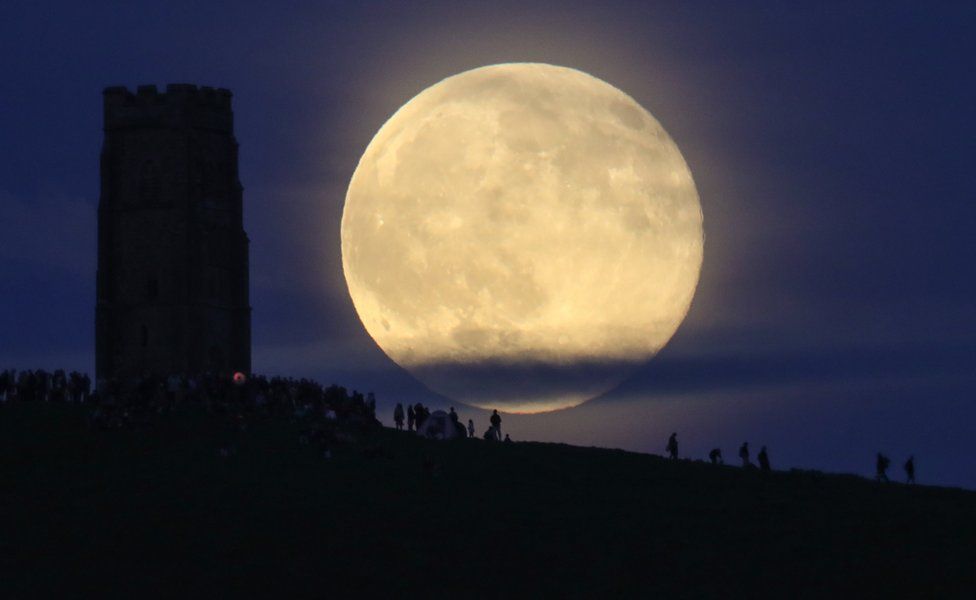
157	511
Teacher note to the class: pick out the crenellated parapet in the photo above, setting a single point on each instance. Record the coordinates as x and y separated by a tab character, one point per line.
181	105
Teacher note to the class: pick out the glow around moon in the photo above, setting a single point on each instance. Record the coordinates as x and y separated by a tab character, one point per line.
519	236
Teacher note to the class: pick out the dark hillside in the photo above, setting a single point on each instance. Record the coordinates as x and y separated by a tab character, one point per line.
158	511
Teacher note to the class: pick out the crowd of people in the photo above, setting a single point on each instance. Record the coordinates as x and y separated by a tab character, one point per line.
417	414
117	403
42	385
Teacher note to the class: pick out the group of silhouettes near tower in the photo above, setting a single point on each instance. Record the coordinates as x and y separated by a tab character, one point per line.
715	457
417	414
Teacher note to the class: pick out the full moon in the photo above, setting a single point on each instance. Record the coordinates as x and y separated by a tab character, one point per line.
521	236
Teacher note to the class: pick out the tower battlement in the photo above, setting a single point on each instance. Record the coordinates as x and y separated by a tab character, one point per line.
181	105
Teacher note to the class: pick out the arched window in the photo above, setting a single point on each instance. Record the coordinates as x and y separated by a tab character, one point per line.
149	183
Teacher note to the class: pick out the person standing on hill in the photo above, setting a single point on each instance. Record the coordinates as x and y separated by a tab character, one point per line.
419	415
910	469
410	417
881	468
763	458
470	428
496	424
672	447
398	416
715	456
744	454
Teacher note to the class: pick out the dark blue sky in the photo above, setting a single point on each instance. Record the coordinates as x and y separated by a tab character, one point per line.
832	146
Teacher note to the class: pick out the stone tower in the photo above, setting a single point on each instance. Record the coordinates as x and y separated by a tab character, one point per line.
172	284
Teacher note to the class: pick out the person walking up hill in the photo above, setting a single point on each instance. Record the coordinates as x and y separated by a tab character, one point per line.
881	468
744	454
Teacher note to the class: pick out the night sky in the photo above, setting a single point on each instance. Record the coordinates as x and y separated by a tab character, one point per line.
832	148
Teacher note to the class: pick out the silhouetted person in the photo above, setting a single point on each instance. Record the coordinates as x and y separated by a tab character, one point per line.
744	454
496	423
910	469
881	468
672	447
715	456
508	440
490	434
763	458
419	415
398	416
371	404
470	428
410	417
453	415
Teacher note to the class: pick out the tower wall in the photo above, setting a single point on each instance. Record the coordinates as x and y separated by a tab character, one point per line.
172	282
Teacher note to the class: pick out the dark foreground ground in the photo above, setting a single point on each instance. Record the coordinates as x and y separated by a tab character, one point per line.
158	512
